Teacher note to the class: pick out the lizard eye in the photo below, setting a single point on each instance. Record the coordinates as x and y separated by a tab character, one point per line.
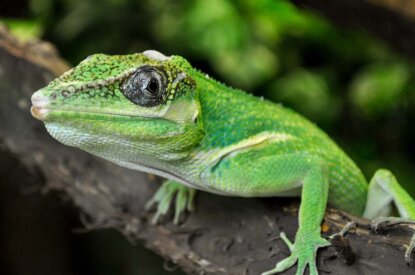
146	87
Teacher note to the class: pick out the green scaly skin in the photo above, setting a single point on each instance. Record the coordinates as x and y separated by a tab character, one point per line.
201	134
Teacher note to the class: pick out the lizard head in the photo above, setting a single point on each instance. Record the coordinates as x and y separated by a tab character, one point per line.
140	100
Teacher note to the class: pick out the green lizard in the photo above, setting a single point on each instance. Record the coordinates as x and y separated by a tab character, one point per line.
157	114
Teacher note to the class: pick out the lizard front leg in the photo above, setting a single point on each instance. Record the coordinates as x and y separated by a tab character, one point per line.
308	237
269	175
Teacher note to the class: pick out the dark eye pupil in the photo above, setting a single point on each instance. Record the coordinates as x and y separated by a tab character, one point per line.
153	86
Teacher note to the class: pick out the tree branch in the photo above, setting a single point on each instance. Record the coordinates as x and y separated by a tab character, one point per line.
224	236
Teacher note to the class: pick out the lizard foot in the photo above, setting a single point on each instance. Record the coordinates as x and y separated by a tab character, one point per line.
164	196
385	222
303	251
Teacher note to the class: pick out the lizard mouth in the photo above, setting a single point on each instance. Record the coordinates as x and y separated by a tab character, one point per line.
41	113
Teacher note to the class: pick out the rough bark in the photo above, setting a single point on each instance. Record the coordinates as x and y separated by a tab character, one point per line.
391	20
224	236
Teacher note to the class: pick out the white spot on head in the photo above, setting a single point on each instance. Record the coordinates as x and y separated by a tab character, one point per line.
155	55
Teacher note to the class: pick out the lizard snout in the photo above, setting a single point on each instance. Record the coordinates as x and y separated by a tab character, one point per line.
39	105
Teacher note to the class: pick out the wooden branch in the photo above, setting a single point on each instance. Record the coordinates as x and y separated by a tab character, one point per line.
390	20
224	236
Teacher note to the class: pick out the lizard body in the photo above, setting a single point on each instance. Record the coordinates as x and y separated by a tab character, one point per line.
157	114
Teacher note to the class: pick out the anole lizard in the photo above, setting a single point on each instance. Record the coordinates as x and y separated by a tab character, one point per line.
157	114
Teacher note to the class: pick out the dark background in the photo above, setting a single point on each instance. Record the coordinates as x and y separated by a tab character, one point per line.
350	83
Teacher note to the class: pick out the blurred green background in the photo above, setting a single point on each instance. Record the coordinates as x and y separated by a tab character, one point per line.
352	85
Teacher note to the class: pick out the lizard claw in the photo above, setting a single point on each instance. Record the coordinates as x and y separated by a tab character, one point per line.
164	196
384	222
